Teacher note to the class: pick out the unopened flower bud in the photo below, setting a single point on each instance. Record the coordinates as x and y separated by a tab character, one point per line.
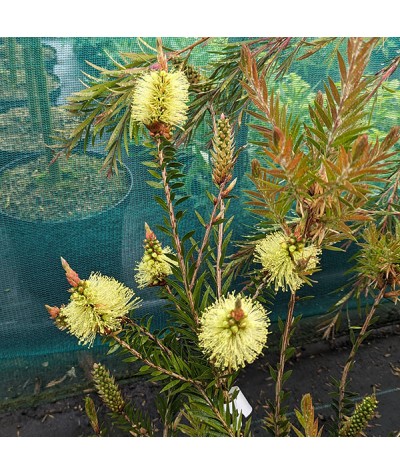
223	146
255	168
238	313
358	422
90	410
107	388
230	187
53	311
149	233
155	66
71	275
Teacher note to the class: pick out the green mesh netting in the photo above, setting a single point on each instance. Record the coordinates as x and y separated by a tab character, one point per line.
36	77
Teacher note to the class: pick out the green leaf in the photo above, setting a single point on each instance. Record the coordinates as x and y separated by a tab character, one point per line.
177	185
181	200
200	218
154	174
155	184
170	385
151	164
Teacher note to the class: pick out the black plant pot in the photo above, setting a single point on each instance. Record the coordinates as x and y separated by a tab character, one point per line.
6	158
9	102
49	57
92	243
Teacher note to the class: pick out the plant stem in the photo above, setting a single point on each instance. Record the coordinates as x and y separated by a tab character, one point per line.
153	338
261	286
206	238
218	265
193	45
356	345
169	291
174	228
282	360
148	362
384	74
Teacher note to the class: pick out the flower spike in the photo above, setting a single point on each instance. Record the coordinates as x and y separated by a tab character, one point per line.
98	305
287	260
160	101
155	264
234	331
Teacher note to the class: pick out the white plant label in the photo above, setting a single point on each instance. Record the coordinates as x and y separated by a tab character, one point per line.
240	402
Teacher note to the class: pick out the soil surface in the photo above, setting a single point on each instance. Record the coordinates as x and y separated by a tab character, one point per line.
17	134
377	367
30	192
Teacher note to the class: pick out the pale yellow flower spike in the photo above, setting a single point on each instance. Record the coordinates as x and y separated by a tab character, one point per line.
233	331
155	264
97	306
287	260
161	96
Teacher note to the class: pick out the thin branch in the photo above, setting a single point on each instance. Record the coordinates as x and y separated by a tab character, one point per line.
146	361
356	345
169	291
152	337
262	284
206	237
218	264
282	360
174	228
384	74
191	46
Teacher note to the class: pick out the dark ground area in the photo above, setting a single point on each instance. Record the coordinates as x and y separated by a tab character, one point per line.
377	366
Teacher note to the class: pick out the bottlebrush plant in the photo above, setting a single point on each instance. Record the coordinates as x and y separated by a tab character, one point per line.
314	187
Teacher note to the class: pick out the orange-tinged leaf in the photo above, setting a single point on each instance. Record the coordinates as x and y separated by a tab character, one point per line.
342	68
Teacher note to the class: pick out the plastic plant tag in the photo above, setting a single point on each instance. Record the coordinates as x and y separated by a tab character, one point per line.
240	402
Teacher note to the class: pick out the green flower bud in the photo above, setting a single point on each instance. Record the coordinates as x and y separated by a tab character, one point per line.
107	388
358	422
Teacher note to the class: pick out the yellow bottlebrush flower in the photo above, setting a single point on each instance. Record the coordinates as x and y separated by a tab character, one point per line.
97	305
161	97
155	265
233	331
287	260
